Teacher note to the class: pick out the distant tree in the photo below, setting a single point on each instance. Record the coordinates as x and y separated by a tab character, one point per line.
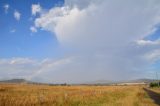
65	84
154	84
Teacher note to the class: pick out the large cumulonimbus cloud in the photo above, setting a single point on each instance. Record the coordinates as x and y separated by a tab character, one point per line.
107	37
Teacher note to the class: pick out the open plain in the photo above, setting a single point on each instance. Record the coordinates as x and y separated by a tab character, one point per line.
45	95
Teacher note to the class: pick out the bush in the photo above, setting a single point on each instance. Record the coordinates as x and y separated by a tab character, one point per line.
154	84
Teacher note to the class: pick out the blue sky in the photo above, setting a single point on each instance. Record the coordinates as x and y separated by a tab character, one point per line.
22	42
79	40
154	36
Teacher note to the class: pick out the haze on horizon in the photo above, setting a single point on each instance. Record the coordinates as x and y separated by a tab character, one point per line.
76	41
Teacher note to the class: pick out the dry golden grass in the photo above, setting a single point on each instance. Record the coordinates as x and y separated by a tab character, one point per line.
156	89
43	95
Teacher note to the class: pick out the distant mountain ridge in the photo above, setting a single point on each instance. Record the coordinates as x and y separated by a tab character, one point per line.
144	80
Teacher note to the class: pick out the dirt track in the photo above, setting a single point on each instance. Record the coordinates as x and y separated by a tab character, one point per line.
155	96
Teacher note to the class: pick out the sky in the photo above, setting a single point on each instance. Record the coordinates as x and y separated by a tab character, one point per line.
76	41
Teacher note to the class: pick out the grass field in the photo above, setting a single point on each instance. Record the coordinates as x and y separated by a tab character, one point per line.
43	95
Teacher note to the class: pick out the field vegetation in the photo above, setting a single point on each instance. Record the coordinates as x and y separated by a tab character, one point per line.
44	95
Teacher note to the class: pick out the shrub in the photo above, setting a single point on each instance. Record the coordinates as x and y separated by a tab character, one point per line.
154	84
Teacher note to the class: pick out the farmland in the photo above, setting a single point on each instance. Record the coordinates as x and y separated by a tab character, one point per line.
45	95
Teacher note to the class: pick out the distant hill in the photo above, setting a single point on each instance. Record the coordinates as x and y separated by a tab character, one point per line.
15	81
23	81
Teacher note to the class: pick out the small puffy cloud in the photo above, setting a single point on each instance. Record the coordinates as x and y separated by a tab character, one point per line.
6	7
36	8
33	29
17	15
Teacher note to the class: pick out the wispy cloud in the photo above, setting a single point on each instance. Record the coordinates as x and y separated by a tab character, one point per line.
17	15
13	30
31	68
6	7
153	55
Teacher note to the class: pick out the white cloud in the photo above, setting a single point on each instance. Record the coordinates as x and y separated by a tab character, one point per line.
30	68
100	22
6	7
16	61
17	67
33	29
47	22
148	42
36	8
17	15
